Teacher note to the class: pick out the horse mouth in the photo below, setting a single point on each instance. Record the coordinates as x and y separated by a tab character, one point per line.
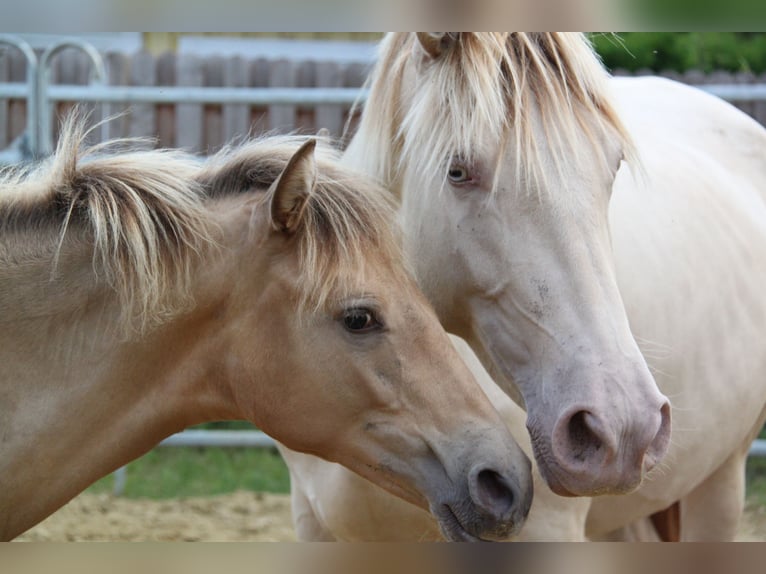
451	527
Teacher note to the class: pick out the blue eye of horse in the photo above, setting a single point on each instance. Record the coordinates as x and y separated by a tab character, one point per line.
360	320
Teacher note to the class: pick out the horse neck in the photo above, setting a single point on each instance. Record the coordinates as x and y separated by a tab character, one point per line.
81	396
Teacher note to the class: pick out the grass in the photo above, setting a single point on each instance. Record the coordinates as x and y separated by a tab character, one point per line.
183	472
177	472
756	481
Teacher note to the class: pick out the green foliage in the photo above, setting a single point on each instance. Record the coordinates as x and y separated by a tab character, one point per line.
706	51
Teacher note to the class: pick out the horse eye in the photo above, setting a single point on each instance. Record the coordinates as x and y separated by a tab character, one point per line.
360	320
458	174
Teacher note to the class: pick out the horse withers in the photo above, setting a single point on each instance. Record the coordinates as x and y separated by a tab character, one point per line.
142	293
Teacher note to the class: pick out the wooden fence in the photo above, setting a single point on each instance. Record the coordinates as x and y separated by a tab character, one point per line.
205	127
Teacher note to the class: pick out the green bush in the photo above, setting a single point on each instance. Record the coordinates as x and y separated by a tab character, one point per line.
660	51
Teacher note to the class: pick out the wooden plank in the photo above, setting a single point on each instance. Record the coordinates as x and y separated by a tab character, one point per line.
5	71
213	121
305	77
236	117
330	116
97	111
71	67
672	75
83	72
189	120
166	113
260	71
75	69
354	76
282	117
17	109
695	77
118	74
62	71
142	121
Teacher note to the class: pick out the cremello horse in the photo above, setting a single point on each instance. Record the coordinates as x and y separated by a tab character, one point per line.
141	293
539	247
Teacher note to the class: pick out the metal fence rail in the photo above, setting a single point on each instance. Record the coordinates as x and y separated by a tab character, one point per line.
40	100
309	96
758	448
230	438
736	92
201	95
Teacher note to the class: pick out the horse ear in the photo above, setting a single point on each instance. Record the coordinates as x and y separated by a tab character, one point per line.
435	43
291	190
323	133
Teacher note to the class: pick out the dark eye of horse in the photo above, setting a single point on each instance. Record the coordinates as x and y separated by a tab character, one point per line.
360	320
458	174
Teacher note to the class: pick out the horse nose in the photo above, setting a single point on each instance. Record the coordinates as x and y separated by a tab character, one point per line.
659	445
499	500
601	454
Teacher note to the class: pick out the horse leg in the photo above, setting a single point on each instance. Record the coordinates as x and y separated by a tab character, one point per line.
554	518
712	511
667	523
307	526
641	530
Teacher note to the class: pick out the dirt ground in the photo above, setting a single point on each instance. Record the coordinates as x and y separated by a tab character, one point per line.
241	516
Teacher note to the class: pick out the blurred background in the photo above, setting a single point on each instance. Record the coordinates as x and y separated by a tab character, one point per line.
165	71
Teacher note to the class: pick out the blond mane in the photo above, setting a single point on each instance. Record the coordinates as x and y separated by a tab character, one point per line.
483	88
347	220
141	210
147	216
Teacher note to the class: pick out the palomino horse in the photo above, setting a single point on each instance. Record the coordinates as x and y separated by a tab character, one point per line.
539	247
142	293
327	499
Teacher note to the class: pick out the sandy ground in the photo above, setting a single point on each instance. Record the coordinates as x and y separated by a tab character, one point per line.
753	527
241	516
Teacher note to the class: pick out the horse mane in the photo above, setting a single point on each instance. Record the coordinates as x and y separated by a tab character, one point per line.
147	215
141	210
483	88
348	217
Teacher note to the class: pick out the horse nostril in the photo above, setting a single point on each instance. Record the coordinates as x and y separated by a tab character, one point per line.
583	439
659	445
493	493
